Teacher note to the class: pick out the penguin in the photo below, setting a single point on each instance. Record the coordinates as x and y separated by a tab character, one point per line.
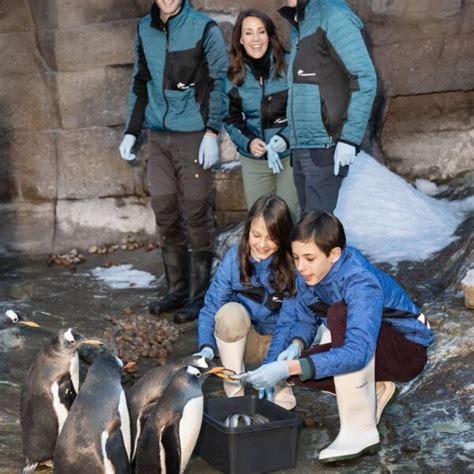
96	435
10	337
172	429
52	384
145	393
10	319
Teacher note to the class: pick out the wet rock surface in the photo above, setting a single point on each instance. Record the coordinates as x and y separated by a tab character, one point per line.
428	429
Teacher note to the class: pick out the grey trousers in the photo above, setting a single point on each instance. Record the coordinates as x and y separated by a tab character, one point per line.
313	172
181	191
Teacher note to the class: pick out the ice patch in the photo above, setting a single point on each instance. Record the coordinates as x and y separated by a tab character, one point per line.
124	276
429	188
389	220
468	280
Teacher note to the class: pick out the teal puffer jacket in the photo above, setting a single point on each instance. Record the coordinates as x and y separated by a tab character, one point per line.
331	76
256	109
178	73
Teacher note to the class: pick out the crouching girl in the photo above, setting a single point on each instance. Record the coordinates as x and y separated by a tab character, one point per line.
374	335
243	302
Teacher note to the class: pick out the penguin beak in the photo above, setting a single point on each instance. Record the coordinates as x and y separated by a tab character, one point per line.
129	366
29	324
221	372
90	342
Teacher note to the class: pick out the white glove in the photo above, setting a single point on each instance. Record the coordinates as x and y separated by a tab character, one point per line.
343	156
278	144
274	162
208	151
206	352
126	147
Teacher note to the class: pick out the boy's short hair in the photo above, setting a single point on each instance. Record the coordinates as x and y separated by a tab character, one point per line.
321	228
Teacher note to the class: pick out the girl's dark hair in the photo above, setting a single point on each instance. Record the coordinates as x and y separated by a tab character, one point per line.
321	228
236	70
277	218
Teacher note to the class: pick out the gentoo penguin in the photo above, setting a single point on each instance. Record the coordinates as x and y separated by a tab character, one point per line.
144	394
171	431
51	386
96	435
10	319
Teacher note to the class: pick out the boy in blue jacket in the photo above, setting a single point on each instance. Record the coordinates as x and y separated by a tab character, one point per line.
375	334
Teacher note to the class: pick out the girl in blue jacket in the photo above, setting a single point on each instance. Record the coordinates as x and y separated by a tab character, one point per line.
254	108
374	334
244	299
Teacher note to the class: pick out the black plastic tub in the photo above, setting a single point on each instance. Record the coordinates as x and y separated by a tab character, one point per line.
247	449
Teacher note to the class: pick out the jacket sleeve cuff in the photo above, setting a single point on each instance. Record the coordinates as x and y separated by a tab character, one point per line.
309	371
355	145
213	130
202	346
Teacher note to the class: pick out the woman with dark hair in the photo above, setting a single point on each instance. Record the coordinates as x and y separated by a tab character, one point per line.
254	108
243	302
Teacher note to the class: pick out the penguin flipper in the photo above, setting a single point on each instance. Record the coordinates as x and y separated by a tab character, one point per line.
115	449
172	446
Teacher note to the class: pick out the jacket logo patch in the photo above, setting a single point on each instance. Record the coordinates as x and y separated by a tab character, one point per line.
280	120
183	86
301	73
275	299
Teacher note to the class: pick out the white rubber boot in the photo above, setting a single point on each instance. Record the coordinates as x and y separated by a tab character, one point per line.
284	397
232	357
356	403
386	395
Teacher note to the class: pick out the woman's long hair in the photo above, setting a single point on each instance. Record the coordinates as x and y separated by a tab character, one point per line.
236	70
277	218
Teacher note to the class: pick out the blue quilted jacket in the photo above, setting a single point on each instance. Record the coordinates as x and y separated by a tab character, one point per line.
260	299
371	296
178	73
256	109
331	77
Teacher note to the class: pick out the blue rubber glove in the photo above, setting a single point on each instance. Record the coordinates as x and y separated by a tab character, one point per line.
208	151
126	146
206	352
278	144
274	162
343	156
268	393
268	375
292	352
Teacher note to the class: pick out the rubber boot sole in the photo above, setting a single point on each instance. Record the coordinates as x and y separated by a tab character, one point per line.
369	450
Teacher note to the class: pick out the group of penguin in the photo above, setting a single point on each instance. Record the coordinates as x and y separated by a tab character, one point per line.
96	427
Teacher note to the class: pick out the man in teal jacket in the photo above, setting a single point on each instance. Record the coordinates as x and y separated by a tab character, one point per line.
332	84
180	64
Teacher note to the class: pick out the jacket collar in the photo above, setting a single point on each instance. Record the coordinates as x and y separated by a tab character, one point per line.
159	24
294	14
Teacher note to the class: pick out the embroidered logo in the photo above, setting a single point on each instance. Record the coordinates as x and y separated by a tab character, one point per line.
280	120
301	73
183	86
275	299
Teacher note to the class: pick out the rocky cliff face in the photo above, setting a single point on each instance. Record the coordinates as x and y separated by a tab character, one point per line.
65	70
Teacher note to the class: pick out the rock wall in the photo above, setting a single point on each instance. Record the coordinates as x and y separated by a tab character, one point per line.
65	70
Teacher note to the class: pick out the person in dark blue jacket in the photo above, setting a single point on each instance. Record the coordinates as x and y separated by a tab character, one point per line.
254	108
332	84
244	299
180	64
373	334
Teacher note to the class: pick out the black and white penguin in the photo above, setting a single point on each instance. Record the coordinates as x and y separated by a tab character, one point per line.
96	435
172	429
144	394
52	384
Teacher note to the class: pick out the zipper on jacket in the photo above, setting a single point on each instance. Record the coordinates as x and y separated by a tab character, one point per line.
262	103
164	78
292	95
